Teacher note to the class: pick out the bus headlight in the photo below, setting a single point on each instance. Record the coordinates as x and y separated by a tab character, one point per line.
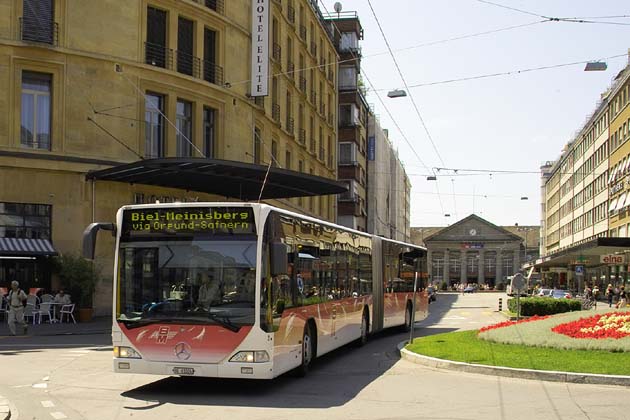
126	353
258	356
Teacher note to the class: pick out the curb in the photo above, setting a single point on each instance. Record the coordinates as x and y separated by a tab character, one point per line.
541	375
5	409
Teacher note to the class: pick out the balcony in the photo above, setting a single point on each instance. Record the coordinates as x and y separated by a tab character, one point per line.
277	52
289	127
158	55
212	73
313	145
303	32
303	84
34	30
275	112
291	15
302	136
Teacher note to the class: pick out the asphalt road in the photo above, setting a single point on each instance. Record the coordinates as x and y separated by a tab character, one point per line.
53	380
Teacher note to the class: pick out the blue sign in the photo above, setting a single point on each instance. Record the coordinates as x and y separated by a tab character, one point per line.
371	148
579	269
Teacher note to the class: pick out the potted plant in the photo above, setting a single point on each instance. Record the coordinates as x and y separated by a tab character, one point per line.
78	277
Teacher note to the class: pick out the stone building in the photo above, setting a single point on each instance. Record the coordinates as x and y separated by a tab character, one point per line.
474	250
161	86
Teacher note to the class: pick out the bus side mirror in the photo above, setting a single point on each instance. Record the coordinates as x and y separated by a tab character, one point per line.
279	258
89	237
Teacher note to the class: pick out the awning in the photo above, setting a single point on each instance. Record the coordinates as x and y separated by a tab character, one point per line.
586	254
613	205
621	201
227	178
14	247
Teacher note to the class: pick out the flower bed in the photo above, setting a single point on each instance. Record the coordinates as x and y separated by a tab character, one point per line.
509	323
541	334
613	325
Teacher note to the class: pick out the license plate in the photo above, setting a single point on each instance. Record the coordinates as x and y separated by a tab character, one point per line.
183	371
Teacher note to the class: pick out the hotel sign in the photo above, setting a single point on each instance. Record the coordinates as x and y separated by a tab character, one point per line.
260	47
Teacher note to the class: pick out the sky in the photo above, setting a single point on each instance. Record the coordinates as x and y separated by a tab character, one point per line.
512	122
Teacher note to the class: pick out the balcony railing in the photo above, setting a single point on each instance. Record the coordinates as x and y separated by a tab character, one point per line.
275	112
349	196
313	145
289	126
303	32
212	73
290	70
321	154
258	101
188	64
216	5
303	84
291	14
158	55
277	52
302	136
34	30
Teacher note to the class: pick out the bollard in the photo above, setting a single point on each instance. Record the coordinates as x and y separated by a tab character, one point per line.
500	304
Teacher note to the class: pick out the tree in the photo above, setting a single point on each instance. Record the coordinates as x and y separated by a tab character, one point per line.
78	277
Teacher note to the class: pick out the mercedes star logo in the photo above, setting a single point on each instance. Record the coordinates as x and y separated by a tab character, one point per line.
182	351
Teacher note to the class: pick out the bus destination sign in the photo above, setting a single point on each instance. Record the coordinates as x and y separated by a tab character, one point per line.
170	220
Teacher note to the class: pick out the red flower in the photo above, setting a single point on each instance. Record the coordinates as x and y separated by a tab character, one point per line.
509	323
609	325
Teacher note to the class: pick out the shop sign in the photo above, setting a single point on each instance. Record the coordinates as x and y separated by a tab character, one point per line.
612	259
616	188
472	245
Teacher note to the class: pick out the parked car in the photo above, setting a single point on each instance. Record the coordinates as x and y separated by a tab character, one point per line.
560	294
432	292
469	289
544	292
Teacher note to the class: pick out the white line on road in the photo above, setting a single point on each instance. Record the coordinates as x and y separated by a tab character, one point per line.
40	386
47	404
58	415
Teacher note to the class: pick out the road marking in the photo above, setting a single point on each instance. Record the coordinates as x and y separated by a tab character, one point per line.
454	317
58	415
80	351
40	386
46	378
47	404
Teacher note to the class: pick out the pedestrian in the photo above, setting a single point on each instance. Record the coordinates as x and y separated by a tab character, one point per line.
623	300
17	297
610	293
595	295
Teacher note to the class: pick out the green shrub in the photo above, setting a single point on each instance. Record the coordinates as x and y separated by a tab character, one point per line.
545	306
443	286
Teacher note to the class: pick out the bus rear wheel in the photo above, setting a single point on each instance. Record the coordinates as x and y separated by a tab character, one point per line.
307	351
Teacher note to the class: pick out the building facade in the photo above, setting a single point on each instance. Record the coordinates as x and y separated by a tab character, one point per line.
585	197
353	121
474	250
388	189
91	85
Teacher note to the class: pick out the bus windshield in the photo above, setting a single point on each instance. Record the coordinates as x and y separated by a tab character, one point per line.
189	281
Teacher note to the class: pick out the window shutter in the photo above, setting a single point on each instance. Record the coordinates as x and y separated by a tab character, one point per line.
38	21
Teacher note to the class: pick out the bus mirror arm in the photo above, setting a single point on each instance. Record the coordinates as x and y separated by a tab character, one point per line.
279	256
89	237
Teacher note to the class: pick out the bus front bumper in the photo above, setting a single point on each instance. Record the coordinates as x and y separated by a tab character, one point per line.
223	370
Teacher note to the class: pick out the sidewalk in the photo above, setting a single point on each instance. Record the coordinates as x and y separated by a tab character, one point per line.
100	325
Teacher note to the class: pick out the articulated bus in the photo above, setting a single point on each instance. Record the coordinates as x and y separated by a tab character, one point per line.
241	290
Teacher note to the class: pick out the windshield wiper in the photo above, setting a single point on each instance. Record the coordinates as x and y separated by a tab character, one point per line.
142	322
224	321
